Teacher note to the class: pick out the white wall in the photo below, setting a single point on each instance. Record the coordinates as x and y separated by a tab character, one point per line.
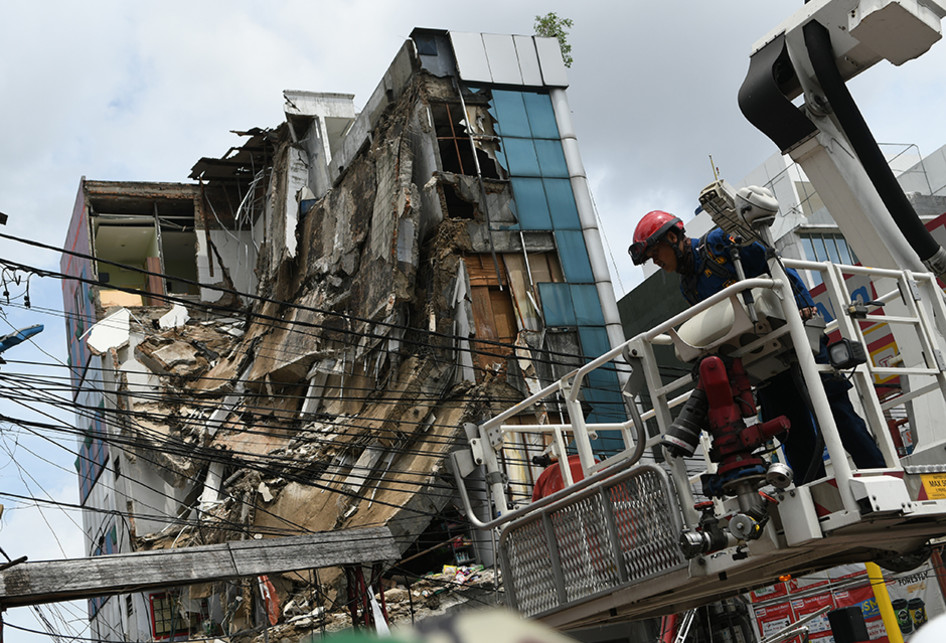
238	253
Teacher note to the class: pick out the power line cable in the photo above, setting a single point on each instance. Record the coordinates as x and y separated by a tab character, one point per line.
213	307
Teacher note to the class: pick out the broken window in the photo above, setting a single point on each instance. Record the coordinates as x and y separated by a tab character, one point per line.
454	129
457	207
154	235
170	619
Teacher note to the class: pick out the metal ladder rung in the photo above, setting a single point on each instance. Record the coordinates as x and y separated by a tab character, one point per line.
891	319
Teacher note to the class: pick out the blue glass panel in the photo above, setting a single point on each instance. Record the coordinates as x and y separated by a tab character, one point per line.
832	249
594	341
602	381
574	256
587	305
606	403
609	443
520	157
541	116
809	248
562	204
601	389
843	248
551	157
531	208
510	114
820	253
810	255
557	305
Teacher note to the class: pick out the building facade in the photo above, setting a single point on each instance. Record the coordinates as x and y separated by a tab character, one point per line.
294	339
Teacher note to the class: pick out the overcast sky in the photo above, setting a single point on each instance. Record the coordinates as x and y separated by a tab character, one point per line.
141	90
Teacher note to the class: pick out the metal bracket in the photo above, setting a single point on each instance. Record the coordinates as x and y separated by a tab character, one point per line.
464	462
477	448
912	286
636	382
881	494
492	477
495	435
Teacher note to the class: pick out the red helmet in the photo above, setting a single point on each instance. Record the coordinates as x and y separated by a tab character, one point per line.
649	231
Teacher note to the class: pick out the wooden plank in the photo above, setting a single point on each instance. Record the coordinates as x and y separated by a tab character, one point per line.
545	268
504	318
60	580
155	284
481	270
519	287
483	356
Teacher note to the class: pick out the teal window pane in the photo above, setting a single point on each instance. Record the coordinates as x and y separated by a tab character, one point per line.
520	157
551	158
562	204
541	117
557	305
587	305
594	342
510	114
531	207
574	256
601	389
609	442
607	411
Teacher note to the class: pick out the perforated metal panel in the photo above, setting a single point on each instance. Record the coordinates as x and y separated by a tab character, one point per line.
649	537
534	577
610	535
588	564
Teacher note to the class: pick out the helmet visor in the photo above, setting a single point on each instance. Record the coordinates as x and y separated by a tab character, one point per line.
638	252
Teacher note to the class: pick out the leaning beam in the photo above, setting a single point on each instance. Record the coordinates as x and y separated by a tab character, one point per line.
49	581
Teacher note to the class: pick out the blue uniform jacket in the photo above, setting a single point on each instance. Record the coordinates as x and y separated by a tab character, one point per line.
706	281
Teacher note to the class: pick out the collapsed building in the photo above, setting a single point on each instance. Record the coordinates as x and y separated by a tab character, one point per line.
294	340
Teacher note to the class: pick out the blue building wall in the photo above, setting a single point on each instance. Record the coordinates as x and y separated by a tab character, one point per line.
531	152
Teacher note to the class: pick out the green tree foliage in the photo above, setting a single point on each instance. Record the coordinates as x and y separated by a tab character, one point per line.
551	26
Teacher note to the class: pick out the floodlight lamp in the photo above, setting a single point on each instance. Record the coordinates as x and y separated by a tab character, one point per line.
846	353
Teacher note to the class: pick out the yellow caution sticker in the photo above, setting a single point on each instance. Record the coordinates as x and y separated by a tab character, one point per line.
935	485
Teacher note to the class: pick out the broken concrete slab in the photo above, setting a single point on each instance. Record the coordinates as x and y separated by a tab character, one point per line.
170	358
175	318
112	332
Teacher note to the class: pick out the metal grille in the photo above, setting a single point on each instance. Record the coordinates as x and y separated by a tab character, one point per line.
533	582
584	548
649	544
609	535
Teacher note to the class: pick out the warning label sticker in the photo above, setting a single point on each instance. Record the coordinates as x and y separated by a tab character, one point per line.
935	485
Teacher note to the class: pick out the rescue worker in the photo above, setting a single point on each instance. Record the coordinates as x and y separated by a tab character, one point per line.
705	267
